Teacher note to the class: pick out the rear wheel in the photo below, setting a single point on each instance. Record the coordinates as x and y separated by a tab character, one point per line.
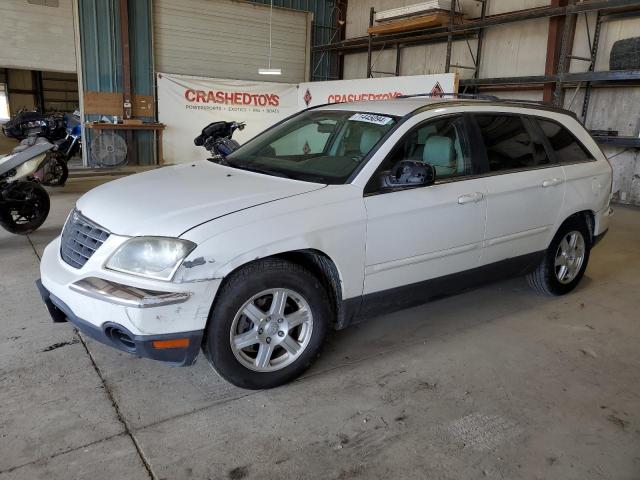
268	324
25	206
565	261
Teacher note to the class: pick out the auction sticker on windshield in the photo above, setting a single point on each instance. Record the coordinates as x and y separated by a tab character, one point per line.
371	118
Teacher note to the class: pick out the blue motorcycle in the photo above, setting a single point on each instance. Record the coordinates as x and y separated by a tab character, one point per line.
56	171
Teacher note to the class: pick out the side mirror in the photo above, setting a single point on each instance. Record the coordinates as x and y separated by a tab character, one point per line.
408	173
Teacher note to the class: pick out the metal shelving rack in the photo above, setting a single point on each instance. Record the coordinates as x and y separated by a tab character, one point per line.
562	80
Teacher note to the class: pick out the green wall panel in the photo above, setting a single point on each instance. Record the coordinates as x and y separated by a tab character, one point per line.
102	60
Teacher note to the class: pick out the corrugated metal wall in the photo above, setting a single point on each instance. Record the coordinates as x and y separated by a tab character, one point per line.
324	65
142	74
100	45
101	59
37	37
229	39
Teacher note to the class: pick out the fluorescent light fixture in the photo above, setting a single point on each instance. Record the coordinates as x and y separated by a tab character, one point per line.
269	71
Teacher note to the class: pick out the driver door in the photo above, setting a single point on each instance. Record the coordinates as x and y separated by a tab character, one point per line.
415	235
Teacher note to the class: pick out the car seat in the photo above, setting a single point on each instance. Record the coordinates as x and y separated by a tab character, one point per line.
439	152
368	139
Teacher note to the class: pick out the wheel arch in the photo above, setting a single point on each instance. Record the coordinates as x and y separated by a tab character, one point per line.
587	216
322	266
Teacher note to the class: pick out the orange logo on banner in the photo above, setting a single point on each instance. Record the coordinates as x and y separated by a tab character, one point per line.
361	97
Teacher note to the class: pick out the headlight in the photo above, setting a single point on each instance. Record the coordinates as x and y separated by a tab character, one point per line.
152	257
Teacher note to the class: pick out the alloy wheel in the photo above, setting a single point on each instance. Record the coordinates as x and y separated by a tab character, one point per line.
271	330
569	256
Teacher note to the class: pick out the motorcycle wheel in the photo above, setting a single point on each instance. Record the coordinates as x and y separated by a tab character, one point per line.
32	211
57	174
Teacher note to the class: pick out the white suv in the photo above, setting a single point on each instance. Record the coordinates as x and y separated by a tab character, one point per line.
332	216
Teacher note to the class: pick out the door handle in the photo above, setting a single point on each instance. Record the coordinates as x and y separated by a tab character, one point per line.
470	197
552	182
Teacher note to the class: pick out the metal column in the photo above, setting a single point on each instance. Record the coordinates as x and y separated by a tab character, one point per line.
594	54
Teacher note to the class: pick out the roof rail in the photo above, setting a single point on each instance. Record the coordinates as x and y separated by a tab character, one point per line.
465	96
538	103
493	99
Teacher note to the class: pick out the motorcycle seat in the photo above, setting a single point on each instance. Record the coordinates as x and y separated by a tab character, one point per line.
20	155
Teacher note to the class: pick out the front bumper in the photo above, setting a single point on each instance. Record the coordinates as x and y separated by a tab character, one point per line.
135	315
180	348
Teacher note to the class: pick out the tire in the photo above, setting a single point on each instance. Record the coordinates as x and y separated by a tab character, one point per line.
625	54
58	173
267	333
26	219
551	279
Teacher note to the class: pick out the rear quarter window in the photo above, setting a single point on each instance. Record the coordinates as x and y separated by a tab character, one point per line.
566	146
509	144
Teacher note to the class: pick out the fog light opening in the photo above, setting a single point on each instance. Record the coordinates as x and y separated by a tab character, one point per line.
121	338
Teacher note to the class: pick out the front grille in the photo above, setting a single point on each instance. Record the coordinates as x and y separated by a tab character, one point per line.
80	239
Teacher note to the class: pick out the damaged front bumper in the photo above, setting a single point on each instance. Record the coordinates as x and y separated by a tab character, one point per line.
149	318
180	348
125	295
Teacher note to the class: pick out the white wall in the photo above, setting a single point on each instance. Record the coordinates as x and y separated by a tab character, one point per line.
514	50
229	39
37	37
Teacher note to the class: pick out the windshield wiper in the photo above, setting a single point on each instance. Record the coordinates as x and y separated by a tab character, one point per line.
258	170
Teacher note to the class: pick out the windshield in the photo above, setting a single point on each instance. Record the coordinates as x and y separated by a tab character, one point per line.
316	145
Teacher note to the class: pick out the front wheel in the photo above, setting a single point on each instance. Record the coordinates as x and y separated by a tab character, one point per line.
57	173
268	324
24	207
565	260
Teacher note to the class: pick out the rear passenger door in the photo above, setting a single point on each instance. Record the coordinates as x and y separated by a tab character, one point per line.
525	186
587	183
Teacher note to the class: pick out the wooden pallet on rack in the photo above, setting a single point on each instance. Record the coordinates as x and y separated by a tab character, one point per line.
436	18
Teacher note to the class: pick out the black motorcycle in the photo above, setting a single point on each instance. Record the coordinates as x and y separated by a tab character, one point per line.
216	138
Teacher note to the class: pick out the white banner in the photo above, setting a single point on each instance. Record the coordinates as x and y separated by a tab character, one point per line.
188	104
319	93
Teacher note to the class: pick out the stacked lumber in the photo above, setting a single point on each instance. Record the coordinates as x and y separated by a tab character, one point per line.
437	18
412	10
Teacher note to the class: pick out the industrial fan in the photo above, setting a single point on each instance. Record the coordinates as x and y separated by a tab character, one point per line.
108	149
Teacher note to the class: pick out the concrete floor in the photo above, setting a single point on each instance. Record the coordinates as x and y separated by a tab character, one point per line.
495	383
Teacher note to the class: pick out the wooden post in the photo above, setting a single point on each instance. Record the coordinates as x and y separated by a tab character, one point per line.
126	58
38	90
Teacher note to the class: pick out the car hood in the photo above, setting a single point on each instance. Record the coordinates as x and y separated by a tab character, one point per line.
171	200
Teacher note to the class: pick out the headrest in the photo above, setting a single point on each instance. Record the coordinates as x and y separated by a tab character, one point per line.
368	139
438	151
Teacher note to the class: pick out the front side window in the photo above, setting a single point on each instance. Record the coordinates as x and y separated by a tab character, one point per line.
509	144
317	145
442	143
562	141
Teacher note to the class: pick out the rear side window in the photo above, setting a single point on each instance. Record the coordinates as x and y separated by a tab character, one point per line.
509	143
568	149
